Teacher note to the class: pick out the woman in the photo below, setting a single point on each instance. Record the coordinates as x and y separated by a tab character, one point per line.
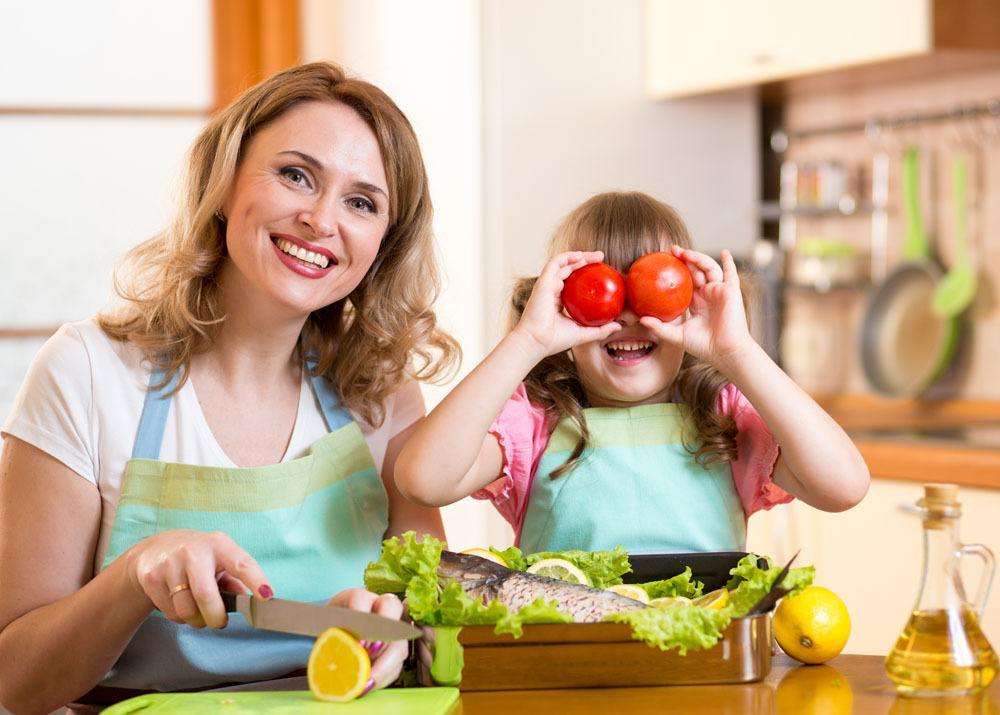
235	426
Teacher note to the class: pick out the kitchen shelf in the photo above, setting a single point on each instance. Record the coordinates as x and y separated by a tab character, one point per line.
772	211
841	288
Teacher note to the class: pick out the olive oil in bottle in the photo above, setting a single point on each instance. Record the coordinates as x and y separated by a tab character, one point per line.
942	649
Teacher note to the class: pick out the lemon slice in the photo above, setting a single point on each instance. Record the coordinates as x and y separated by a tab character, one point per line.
630	590
339	668
670	602
716	600
486	554
560	569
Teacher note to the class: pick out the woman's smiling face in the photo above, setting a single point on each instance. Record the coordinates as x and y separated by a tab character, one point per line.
308	209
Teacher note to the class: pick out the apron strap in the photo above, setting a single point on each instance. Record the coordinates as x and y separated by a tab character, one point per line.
335	414
153	421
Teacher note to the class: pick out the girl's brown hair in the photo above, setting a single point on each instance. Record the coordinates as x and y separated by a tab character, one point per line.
625	226
365	344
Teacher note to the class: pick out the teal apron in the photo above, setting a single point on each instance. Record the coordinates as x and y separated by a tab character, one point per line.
636	485
311	523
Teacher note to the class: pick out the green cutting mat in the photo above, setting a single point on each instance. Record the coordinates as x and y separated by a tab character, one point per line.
420	701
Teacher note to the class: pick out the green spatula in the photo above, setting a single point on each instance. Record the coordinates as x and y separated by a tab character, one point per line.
957	289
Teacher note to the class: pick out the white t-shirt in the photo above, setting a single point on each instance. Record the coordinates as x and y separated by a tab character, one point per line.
83	395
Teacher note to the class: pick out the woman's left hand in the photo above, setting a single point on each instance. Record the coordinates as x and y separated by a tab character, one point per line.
715	328
387	658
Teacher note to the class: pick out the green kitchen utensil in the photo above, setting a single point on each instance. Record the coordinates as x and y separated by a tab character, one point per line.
906	346
957	289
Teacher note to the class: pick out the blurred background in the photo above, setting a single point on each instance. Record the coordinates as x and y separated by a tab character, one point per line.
778	129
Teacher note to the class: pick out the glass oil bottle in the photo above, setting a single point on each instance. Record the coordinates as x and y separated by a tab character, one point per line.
942	649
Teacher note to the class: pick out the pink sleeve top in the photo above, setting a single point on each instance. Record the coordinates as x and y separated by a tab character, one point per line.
522	429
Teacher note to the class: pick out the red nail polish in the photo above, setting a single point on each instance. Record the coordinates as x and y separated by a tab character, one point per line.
265	591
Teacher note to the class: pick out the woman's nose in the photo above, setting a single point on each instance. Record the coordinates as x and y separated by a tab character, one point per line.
320	219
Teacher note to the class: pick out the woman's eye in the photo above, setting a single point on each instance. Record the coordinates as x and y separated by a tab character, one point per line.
361	203
296	176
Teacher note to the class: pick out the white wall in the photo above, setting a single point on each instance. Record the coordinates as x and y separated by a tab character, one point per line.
566	117
78	191
426	56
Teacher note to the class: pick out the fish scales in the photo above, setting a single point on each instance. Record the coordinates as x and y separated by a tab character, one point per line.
487	580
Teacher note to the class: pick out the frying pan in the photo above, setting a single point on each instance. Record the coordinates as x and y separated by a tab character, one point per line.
905	345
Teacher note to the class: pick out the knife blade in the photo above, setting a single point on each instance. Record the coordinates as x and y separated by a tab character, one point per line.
311	619
774	593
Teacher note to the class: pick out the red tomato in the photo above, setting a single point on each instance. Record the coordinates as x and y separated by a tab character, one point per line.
660	285
594	294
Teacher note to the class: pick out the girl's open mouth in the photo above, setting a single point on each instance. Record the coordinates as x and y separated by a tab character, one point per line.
629	350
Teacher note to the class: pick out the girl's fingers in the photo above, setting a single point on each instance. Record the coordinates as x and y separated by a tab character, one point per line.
669	333
711	271
730	274
602	332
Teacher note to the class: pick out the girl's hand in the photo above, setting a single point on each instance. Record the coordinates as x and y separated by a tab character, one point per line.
180	572
551	331
387	658
716	326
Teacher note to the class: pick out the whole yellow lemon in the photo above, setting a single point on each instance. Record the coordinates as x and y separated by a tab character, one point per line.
813	625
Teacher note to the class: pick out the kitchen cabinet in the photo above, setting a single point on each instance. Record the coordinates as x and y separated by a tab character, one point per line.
694	48
871	555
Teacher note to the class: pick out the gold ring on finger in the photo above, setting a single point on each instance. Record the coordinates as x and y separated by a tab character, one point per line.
179	587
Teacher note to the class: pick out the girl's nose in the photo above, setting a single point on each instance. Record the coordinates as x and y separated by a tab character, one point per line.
627	317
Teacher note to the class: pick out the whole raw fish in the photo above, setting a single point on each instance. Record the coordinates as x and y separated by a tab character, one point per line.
487	580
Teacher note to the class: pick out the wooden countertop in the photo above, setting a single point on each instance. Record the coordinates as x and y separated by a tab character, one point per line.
924	441
847	684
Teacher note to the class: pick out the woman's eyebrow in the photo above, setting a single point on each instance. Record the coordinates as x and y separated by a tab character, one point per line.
318	165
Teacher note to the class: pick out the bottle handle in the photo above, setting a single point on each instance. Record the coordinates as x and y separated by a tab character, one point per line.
989	570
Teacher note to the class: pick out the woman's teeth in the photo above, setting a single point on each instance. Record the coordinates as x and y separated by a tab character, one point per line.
628	349
302	254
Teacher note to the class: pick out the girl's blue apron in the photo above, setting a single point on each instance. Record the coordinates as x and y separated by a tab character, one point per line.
636	486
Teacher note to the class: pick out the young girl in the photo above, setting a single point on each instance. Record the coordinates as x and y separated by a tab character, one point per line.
661	437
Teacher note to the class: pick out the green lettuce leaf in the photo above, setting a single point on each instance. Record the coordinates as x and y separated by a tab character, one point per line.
512	557
749	583
603	568
680	585
684	627
539	611
404	558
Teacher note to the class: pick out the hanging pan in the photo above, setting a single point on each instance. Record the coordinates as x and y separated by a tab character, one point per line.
906	346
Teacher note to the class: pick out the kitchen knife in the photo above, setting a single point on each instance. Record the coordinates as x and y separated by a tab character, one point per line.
311	619
775	593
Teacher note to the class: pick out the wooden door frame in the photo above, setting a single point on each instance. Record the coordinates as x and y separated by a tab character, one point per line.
252	39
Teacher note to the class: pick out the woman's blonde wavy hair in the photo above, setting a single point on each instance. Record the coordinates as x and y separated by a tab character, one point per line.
625	226
367	343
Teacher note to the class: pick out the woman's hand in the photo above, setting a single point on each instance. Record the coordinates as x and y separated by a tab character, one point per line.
715	328
387	658
181	572
543	320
